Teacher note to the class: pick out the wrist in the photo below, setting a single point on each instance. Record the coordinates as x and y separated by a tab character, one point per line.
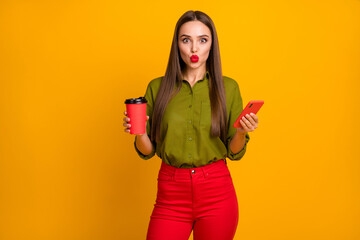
240	131
141	135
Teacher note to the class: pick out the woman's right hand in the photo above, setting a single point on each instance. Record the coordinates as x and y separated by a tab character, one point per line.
127	125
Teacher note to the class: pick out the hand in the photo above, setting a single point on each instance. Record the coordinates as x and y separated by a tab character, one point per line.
249	123
127	124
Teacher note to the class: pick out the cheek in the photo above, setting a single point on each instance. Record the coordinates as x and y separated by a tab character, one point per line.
182	49
207	49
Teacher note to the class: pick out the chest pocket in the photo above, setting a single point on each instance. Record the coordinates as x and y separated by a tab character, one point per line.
205	114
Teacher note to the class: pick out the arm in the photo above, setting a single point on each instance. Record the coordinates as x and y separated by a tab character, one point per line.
237	139
143	144
237	143
144	147
248	124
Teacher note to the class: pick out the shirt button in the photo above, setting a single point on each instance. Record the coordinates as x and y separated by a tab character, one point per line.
190	138
190	106
193	171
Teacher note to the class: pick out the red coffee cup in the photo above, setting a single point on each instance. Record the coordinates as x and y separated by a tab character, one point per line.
136	111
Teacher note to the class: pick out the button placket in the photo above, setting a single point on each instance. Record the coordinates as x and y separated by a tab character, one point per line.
189	131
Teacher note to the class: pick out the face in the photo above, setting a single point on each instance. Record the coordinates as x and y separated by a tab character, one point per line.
194	42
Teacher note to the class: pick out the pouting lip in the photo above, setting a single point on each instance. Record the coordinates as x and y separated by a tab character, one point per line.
194	58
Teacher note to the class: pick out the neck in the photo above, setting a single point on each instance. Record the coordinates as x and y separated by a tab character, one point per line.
192	75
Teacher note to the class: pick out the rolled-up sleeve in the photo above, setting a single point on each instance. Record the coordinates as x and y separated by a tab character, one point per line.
149	110
236	108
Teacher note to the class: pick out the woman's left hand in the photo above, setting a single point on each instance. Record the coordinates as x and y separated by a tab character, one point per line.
249	123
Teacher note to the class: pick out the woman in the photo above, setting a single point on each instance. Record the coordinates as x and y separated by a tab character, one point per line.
190	113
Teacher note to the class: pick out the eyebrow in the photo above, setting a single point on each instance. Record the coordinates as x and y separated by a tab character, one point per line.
184	35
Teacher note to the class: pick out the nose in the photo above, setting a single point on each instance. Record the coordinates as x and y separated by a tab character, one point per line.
194	47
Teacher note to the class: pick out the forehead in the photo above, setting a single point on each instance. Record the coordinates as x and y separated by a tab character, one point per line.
194	28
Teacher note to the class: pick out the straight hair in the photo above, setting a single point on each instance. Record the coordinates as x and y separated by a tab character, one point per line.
172	81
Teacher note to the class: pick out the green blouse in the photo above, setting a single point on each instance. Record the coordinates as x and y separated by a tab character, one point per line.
186	124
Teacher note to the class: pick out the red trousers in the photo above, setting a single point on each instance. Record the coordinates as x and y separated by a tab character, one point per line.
202	200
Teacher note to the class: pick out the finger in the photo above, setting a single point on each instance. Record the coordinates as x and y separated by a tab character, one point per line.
248	124
126	125
244	125
255	117
126	119
254	120
250	119
125	113
241	128
127	130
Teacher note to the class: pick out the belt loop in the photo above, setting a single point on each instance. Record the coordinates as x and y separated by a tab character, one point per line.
205	172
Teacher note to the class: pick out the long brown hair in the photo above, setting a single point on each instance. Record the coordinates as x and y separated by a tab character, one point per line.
173	78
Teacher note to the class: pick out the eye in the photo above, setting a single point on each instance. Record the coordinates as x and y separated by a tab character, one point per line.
185	39
204	39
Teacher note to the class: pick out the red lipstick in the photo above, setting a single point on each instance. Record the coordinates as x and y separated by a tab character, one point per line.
194	58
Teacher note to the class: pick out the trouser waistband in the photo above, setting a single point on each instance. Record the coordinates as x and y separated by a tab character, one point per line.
217	168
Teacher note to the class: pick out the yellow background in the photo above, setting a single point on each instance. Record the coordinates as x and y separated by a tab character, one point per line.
69	171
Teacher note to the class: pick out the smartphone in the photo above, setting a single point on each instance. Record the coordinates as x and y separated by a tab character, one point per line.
251	107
